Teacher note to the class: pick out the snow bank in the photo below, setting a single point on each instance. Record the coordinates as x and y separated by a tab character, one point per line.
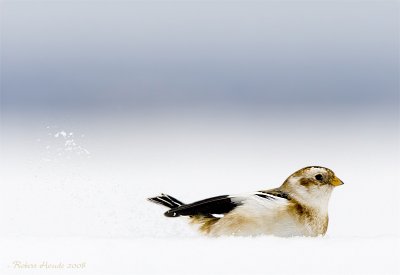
66	206
261	255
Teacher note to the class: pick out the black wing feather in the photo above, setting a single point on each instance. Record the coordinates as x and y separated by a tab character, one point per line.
166	200
207	207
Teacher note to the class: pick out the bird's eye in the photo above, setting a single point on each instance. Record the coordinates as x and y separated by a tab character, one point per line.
318	177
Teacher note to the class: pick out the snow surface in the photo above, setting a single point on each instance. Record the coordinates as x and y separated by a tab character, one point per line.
61	204
183	255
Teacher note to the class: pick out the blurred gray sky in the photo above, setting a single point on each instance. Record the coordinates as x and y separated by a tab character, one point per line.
138	55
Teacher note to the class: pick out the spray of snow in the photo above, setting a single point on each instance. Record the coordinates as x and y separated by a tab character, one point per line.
63	144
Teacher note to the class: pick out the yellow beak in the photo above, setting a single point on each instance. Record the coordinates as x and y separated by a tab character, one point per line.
336	181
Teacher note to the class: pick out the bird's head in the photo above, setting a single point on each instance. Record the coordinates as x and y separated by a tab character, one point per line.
311	185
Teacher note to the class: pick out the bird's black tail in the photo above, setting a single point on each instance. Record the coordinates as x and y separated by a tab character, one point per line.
166	200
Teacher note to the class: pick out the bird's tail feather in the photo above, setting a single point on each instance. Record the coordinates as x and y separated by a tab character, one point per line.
166	200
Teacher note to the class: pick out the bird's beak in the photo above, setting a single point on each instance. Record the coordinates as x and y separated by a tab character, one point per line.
336	181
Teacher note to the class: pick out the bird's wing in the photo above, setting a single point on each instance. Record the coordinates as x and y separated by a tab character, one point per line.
208	207
217	206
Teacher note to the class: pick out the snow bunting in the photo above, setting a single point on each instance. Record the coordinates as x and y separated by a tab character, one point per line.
299	207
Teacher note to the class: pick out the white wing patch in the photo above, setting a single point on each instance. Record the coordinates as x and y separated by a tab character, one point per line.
268	200
258	202
218	215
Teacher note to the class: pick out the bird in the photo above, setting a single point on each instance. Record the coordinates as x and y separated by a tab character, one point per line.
299	207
